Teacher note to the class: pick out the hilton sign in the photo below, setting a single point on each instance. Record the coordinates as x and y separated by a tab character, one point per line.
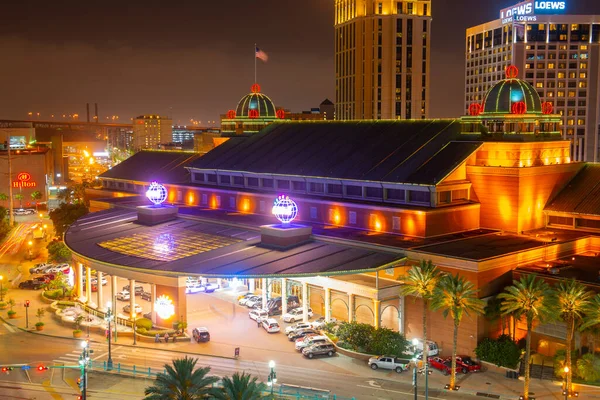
24	181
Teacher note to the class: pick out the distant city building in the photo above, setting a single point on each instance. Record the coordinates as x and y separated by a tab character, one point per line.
182	134
149	131
326	111
382	59
558	55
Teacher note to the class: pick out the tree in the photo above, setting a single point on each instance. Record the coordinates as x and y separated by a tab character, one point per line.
588	368
19	197
456	296
573	299
531	297
65	195
241	387
58	252
63	216
3	214
35	196
591	322
182	382
421	281
3	197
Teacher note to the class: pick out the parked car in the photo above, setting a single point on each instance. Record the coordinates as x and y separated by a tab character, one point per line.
138	289
137	308
210	287
194	287
318	350
301	333
146	296
244	300
296	314
31	284
23	211
258	315
39	268
433	348
443	365
147	315
297	326
274	304
270	325
254	303
467	364
309	340
389	362
201	334
123	295
244	295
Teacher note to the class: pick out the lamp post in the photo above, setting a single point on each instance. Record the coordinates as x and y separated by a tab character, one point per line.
566	389
84	361
134	321
272	378
415	342
30	243
1	289
109	362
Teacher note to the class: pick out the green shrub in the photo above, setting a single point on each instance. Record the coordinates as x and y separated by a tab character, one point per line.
143	323
39	324
54	294
364	338
502	352
588	368
141	331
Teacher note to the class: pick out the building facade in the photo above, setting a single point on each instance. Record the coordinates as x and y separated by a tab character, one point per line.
382	59
560	57
149	131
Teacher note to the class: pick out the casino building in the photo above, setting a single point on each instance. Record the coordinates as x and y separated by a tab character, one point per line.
489	196
560	57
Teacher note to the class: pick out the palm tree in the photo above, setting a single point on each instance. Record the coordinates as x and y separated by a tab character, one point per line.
421	281
3	197
573	300
591	322
241	387
19	197
37	195
457	297
182	382
532	298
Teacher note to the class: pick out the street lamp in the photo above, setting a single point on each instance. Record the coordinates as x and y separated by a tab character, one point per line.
109	363
134	322
415	342
272	378
84	362
30	243
1	290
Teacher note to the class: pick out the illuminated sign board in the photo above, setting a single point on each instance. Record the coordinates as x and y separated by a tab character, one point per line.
24	181
156	193
164	307
285	209
527	10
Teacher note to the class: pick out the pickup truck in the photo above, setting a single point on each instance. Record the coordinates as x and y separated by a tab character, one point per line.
389	362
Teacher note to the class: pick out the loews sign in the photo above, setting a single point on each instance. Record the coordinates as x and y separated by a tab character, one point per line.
24	181
527	10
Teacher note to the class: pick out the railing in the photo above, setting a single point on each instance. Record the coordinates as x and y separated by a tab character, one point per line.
101	314
283	392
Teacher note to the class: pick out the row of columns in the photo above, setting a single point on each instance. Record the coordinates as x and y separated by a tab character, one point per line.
100	304
306	305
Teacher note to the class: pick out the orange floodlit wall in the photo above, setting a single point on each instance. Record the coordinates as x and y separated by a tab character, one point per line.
522	154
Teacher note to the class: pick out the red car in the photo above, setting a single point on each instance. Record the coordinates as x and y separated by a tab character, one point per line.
467	364
443	365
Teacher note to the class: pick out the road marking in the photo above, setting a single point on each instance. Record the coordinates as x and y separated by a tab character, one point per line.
397	391
374	384
9	328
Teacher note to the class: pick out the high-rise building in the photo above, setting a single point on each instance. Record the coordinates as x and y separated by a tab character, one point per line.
151	130
557	54
382	59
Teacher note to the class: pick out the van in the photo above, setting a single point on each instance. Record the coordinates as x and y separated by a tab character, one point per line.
270	325
433	348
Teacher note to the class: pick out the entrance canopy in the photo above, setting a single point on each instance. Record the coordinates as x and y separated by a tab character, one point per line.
189	247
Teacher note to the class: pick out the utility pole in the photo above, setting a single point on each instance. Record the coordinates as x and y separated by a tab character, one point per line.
11	215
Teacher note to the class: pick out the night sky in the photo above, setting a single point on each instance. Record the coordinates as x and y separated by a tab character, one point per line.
195	59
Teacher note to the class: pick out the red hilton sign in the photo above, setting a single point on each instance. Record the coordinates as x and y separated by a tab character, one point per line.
24	181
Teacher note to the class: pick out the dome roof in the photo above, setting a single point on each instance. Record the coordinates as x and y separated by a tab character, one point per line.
256	101
512	96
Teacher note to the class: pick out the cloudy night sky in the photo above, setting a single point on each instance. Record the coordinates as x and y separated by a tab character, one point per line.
195	59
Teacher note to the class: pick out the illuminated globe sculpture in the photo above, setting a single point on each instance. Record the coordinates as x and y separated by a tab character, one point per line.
157	193
164	307
285	209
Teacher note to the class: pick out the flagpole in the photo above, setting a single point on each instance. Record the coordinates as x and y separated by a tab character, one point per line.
255	63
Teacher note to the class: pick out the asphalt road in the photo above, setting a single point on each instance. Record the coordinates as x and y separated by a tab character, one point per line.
22	348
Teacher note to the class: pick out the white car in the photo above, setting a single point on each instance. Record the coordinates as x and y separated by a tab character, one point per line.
253	302
194	287
295	327
270	325
258	315
296	314
137	308
309	340
320	323
244	300
123	295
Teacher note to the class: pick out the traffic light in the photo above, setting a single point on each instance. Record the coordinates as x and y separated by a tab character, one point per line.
80	397
80	383
26	303
42	368
6	369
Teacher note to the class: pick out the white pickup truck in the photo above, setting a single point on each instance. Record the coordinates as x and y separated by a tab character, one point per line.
390	362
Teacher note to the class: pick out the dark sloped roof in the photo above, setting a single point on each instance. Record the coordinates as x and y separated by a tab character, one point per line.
162	166
387	151
581	195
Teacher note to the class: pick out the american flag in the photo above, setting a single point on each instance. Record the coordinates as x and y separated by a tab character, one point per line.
261	55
